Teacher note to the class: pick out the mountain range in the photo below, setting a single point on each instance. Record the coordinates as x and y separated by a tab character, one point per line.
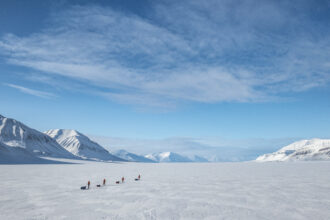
167	157
22	144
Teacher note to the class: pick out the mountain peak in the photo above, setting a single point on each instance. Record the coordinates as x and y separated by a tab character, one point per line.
165	154
65	132
80	145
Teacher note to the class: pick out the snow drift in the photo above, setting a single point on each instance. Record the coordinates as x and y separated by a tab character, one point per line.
315	149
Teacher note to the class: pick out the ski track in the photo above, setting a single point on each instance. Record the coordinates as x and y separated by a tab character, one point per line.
249	190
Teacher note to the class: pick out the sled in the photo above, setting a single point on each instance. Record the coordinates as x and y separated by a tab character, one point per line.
137	179
83	188
98	185
117	182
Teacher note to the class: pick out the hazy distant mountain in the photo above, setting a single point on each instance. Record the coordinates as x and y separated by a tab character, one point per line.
168	157
25	142
212	149
315	149
200	159
80	145
131	157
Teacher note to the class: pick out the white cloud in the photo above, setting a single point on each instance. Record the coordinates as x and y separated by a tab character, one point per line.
187	51
33	92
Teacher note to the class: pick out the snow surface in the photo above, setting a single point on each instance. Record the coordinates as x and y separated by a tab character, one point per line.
80	145
249	190
314	149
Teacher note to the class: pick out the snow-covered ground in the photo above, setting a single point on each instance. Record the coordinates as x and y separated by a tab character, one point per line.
298	190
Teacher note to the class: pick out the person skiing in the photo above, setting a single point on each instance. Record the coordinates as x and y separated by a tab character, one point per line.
89	183
138	178
103	182
122	179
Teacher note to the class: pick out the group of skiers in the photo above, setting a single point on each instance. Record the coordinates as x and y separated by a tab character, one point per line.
104	182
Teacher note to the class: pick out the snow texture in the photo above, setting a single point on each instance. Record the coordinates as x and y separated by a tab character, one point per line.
315	149
249	190
80	145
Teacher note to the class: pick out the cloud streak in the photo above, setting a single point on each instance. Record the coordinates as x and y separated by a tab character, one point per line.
182	52
33	92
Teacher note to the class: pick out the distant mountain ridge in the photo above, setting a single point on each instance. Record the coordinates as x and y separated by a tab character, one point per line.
304	150
200	159
166	157
22	144
80	145
131	157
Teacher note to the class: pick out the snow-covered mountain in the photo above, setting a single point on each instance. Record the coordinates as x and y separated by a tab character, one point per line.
167	157
131	157
315	149
14	134
80	145
17	155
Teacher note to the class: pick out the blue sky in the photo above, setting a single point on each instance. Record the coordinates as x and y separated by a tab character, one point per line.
161	69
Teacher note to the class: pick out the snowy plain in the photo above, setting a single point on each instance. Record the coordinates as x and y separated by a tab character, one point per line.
249	190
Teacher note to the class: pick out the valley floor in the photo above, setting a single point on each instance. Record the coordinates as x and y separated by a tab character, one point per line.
166	191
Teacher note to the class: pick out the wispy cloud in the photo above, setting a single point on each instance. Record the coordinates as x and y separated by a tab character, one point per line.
187	51
33	92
